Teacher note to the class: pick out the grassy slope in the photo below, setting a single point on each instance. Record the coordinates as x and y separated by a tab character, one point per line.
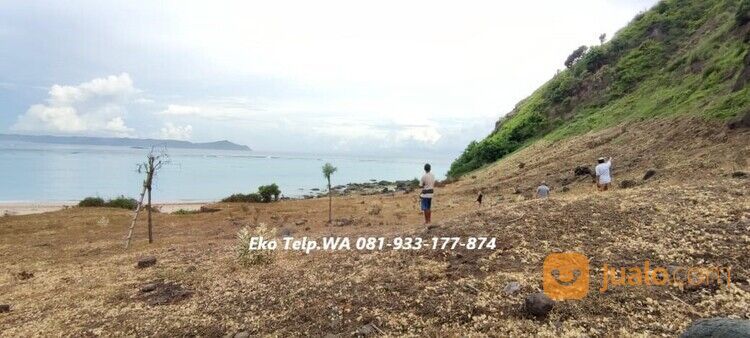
679	58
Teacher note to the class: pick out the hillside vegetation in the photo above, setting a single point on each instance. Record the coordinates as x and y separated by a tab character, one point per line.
679	58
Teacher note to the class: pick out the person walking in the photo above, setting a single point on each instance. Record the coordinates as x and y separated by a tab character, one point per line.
479	197
427	183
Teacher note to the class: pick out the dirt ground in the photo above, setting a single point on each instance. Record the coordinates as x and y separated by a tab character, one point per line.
65	273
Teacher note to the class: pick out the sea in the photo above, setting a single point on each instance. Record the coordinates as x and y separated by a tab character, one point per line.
35	172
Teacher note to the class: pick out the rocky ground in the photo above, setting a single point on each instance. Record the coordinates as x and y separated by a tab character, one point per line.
66	273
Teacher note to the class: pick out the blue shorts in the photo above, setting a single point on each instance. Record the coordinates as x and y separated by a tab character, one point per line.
426	203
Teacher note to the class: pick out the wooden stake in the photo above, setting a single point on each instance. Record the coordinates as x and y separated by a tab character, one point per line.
135	217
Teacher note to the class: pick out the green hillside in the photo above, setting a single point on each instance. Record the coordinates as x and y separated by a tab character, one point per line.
686	57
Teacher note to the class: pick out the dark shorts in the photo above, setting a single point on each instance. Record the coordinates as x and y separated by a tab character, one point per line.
426	203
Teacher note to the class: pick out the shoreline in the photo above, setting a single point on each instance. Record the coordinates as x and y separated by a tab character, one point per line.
372	187
18	208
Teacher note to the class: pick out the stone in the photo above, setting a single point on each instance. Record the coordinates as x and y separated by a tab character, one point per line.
582	170
4	308
145	262
148	287
300	222
242	334
367	330
565	189
538	304
718	328
649	173
739	174
625	184
512	288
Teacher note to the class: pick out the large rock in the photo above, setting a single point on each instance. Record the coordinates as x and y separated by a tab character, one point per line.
718	328
582	170
649	173
627	184
145	262
538	304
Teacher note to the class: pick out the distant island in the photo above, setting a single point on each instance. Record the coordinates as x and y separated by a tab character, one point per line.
123	142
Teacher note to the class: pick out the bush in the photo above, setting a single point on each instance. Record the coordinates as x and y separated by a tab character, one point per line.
269	192
248	257
244	198
119	202
91	202
575	56
186	212
122	202
266	194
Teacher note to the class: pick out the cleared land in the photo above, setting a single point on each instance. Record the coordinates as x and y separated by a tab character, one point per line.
66	273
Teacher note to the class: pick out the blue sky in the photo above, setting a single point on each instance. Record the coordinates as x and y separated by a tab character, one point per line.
385	77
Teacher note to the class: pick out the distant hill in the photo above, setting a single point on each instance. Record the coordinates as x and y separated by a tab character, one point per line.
680	58
123	142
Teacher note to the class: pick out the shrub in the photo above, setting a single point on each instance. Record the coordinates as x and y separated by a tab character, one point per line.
91	202
119	202
122	202
575	56
245	198
247	257
186	212
269	192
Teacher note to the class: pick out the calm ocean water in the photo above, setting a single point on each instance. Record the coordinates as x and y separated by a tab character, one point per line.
41	172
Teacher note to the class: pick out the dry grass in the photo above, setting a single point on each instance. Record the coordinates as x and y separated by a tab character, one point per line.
691	213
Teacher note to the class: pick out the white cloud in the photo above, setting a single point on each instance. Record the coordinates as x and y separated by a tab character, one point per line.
93	107
173	132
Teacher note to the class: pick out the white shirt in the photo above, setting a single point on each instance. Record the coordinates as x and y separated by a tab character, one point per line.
603	171
427	183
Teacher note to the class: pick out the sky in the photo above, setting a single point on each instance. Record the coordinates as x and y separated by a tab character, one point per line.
351	77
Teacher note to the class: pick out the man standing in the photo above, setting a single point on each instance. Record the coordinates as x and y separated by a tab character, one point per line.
427	183
542	191
603	173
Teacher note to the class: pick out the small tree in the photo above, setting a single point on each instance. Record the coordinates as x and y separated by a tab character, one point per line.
602	38
155	160
575	56
328	170
269	193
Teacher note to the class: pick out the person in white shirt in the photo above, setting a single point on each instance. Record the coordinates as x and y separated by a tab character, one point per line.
603	173
427	183
542	191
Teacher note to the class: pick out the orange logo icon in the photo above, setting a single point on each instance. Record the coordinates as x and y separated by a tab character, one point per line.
566	276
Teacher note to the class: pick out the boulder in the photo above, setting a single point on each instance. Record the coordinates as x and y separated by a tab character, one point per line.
740	122
145	262
718	328
582	170
538	304
649	173
148	287
625	184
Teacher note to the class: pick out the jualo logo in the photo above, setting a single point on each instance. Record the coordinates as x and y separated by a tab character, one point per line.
566	276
